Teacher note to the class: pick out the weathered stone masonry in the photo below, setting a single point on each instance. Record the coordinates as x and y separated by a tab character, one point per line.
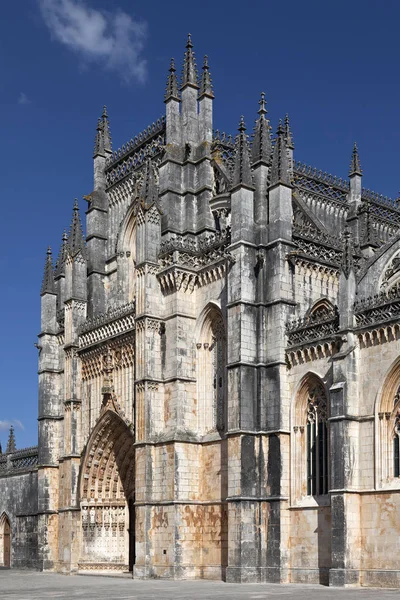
219	372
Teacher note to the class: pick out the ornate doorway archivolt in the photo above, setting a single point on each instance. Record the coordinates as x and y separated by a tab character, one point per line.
107	492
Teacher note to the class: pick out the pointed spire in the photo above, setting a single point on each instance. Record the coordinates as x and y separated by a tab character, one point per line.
48	277
149	191
280	161
171	91
11	446
62	255
288	133
261	149
102	142
242	171
347	263
206	83
355	166
189	75
76	241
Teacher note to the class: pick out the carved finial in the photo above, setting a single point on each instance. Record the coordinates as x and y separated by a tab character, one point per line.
280	173
206	83
368	232
347	263
262	110
11	445
355	166
102	142
189	74
149	191
288	133
48	277
262	144
171	91
242	172
76	241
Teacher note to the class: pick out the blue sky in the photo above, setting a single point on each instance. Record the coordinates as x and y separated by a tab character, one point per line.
333	66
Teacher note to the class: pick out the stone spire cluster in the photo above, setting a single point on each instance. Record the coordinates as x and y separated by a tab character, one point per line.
189	76
102	142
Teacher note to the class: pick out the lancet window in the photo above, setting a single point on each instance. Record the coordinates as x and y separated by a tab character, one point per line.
396	435
310	443
388	430
211	375
317	442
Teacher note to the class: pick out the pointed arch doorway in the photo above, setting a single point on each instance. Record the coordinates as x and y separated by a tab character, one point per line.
107	495
5	533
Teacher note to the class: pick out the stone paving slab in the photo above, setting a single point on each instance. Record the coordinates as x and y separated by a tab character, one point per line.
30	585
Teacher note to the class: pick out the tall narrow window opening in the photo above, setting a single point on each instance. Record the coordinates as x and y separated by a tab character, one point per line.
218	359
211	367
317	442
396	436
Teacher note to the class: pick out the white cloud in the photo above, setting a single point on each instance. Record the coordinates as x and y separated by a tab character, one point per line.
23	98
114	40
5	425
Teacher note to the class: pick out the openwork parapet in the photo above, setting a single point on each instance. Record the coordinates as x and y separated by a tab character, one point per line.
20	460
151	149
381	308
315	246
312	328
105	325
136	142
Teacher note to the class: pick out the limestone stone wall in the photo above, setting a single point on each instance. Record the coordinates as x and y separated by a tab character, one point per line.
19	501
311	283
310	544
380	539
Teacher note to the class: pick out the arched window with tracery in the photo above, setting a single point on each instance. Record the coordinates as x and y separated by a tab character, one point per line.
317	442
211	371
310	444
396	434
388	430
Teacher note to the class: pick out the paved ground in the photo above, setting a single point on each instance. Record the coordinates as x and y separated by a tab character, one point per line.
29	585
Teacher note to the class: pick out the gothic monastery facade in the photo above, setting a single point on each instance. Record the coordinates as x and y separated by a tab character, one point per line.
219	366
